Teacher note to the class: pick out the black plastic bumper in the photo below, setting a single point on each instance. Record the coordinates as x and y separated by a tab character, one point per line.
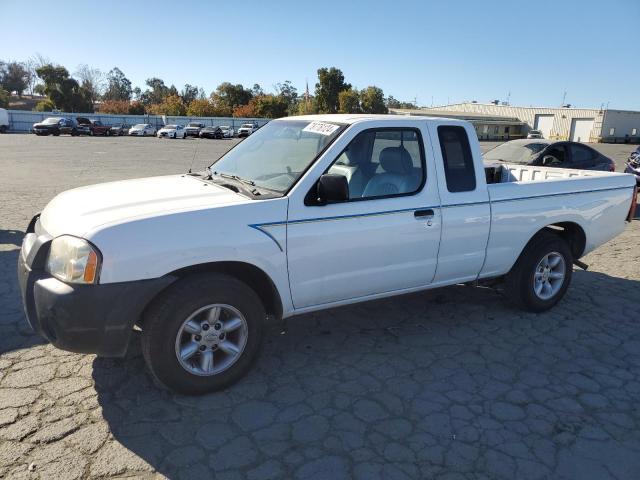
81	318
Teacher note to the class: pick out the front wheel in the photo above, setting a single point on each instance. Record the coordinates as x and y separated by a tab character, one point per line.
542	274
203	333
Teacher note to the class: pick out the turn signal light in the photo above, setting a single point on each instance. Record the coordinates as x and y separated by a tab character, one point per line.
91	268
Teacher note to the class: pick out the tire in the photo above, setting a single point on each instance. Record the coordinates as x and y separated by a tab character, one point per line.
162	327
521	285
3	128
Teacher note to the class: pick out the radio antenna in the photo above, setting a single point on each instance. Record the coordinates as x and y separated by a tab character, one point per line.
195	152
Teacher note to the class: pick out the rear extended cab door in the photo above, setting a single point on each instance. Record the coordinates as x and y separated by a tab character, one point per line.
465	206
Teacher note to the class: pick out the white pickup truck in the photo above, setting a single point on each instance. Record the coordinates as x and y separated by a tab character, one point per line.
306	214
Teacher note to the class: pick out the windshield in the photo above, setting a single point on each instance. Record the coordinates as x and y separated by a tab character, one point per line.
51	120
511	152
170	126
225	127
246	125
276	155
193	125
140	125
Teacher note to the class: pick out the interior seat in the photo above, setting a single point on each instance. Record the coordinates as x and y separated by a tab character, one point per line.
398	174
353	164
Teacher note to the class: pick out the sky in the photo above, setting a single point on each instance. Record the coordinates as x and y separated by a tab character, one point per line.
434	52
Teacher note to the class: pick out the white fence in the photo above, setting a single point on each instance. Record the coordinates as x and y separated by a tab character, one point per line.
23	120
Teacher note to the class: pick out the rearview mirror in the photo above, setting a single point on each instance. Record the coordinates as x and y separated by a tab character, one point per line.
332	188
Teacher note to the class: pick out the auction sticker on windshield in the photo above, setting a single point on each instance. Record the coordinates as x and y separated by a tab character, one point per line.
321	128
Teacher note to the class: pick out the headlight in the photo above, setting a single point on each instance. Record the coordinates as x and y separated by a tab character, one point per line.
73	260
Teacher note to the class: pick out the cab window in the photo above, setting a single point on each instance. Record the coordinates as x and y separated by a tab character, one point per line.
382	163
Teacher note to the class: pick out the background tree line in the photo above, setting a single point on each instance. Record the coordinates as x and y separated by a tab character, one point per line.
89	89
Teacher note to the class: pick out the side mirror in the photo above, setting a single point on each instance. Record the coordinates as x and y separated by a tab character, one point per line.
332	188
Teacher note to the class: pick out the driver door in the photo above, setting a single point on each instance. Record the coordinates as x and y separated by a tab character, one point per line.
385	238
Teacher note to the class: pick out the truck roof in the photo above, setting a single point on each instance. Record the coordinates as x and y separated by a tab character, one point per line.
351	118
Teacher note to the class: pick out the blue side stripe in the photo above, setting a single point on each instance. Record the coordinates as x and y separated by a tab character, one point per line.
559	194
260	226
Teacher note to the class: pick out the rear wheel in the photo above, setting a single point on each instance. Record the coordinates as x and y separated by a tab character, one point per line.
203	333
542	274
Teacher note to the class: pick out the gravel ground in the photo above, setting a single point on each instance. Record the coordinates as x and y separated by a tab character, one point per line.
451	383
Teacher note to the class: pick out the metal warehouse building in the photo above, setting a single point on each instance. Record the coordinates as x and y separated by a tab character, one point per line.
577	124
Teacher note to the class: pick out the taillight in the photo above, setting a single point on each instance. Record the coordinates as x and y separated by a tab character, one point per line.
612	167
634	204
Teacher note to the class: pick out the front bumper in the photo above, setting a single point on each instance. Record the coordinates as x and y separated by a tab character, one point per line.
80	318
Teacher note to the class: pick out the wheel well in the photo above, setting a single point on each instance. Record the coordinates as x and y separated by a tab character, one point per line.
253	276
573	234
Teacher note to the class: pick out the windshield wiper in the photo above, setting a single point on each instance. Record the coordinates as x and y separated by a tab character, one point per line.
236	178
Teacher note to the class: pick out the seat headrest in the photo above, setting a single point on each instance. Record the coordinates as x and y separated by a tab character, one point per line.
396	160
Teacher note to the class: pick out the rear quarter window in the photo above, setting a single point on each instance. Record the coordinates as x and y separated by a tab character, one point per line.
459	170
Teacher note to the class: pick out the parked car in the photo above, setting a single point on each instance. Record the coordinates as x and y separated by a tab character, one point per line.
50	126
546	153
211	132
4	120
193	129
227	131
535	134
172	131
633	164
119	129
341	210
142	130
83	126
96	127
247	129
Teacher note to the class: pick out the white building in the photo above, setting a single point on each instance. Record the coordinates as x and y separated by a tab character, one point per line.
577	124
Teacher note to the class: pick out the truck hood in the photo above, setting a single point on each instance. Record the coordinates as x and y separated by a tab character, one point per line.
83	210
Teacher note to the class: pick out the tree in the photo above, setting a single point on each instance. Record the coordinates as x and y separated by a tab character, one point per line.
118	107
4	98
393	103
256	91
330	84
189	93
136	108
270	106
307	106
45	106
245	111
64	92
287	91
228	96
118	86
156	92
372	100
14	77
201	107
92	79
349	101
171	105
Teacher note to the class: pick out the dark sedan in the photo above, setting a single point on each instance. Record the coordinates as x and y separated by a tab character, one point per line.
211	132
119	129
50	126
550	154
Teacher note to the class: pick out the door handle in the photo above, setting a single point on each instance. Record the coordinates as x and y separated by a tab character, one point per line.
427	213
